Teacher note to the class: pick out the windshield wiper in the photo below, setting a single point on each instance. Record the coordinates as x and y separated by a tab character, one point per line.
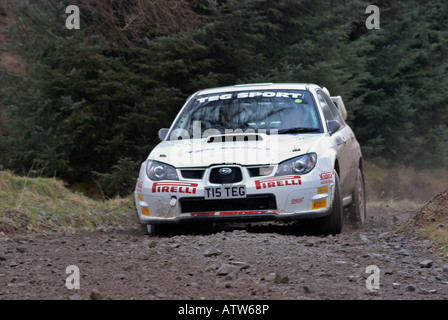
298	130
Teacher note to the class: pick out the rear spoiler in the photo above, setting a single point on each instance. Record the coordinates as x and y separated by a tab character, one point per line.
340	105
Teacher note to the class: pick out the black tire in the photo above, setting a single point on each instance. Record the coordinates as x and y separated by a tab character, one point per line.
333	223
357	210
150	229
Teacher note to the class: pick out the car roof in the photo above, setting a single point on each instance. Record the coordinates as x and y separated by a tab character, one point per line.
259	86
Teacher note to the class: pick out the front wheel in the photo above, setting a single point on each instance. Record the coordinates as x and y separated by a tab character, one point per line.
150	229
357	211
332	224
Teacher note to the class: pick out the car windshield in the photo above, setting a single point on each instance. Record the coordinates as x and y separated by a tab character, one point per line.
248	111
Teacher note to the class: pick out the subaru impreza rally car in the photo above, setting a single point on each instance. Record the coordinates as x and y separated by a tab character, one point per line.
255	152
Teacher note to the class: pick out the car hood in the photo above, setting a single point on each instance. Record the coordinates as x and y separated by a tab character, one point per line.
269	149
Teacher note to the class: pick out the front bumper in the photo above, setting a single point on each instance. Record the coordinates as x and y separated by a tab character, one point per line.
284	198
238	216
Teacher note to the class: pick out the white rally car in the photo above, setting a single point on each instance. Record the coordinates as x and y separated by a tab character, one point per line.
255	152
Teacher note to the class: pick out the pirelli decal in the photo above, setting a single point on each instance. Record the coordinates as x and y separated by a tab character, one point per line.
174	187
277	182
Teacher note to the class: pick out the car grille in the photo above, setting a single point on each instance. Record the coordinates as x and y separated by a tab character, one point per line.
234	177
260	171
192	174
252	202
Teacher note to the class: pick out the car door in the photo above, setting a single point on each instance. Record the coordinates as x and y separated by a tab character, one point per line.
352	148
341	139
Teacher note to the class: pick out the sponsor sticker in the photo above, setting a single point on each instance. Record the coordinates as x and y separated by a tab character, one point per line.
140	197
320	204
139	186
174	187
277	182
229	213
145	212
322	190
297	201
253	94
326	177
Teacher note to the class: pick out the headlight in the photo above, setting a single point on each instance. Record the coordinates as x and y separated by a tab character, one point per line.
299	165
160	171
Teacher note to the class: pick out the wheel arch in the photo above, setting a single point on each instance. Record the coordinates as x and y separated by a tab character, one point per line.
336	167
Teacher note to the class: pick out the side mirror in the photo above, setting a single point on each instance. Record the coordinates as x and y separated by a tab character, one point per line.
162	133
333	126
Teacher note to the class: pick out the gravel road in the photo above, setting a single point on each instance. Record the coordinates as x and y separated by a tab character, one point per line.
253	262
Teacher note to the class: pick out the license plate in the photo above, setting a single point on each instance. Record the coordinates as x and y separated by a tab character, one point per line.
225	192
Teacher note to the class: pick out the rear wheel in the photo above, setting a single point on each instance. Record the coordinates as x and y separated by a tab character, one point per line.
357	211
332	224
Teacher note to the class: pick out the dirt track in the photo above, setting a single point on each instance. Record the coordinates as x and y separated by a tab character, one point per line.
231	262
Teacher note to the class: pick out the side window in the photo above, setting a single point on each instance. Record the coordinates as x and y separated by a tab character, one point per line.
329	110
325	108
334	110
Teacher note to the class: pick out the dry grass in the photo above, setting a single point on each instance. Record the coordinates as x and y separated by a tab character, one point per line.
410	194
44	204
431	221
403	183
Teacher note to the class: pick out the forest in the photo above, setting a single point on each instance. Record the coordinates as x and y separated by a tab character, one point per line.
85	105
